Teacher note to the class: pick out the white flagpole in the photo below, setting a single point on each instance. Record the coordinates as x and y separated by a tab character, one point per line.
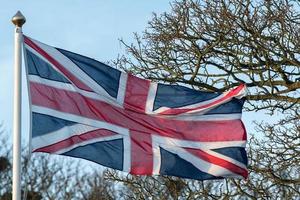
18	20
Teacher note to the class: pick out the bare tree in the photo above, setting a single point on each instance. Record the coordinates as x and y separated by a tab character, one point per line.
214	45
209	45
95	187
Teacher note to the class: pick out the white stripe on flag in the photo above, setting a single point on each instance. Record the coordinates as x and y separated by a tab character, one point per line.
214	103
122	88
72	88
202	165
72	68
91	141
59	135
127	154
80	120
241	165
156	156
201	117
167	141
151	98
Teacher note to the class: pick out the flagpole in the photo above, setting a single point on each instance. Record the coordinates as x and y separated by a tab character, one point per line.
18	20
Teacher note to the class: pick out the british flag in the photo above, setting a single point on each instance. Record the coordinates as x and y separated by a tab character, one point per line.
86	109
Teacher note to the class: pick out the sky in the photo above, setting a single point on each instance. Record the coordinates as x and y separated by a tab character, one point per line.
92	28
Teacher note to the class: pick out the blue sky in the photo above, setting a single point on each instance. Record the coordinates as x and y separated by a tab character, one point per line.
91	28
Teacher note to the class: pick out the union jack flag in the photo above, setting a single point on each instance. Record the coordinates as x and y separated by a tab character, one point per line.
86	109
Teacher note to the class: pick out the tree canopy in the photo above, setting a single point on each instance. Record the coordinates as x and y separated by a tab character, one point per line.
211	45
215	45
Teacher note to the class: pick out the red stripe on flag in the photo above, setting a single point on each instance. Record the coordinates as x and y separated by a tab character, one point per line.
228	96
61	68
74	103
76	139
141	153
136	93
218	161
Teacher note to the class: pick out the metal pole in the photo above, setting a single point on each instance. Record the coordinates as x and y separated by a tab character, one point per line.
18	20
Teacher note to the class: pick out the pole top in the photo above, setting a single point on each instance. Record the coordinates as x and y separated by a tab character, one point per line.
18	19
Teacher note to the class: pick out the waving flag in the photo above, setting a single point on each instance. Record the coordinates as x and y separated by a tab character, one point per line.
86	109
